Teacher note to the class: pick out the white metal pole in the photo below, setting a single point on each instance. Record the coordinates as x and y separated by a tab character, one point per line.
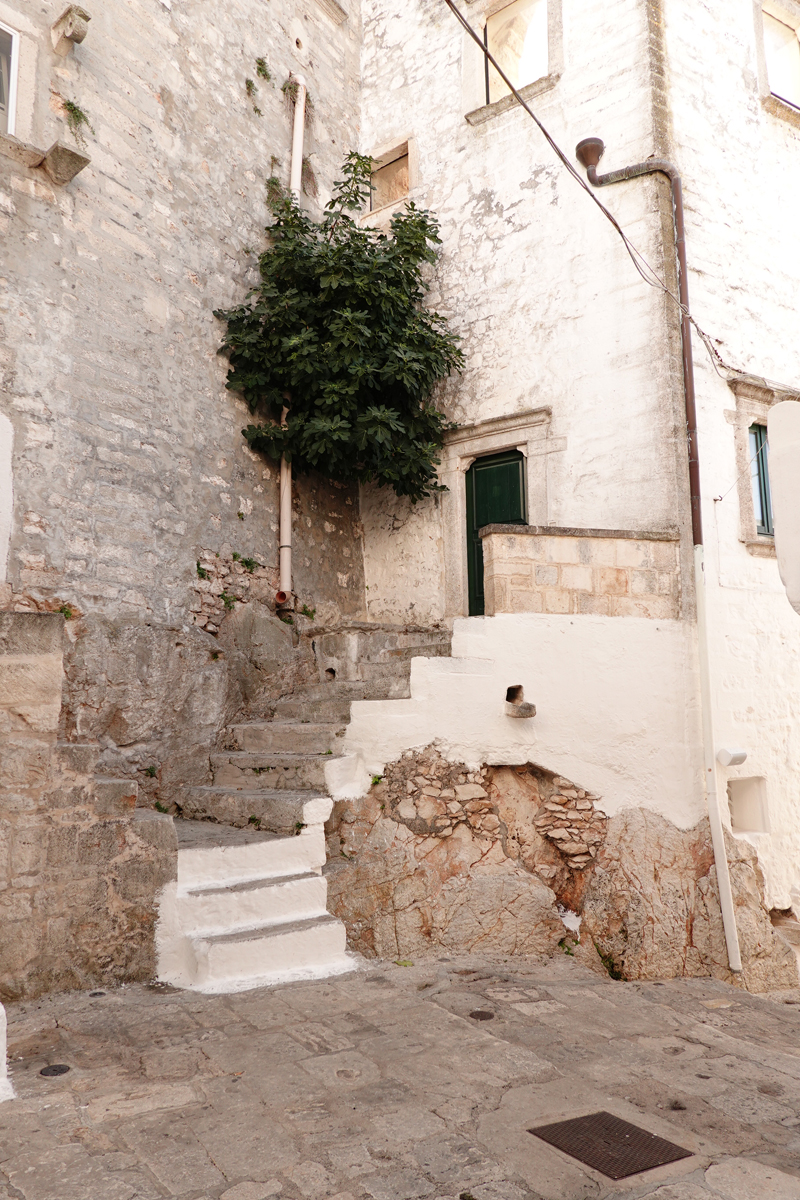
710	764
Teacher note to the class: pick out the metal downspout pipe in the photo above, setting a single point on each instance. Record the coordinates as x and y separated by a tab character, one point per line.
295	184
589	152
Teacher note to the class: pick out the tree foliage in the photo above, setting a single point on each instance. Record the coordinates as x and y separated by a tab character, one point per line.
336	332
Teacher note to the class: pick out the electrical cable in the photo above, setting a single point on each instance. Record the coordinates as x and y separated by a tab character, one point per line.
648	274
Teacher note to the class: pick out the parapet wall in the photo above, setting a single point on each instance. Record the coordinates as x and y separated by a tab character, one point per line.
605	572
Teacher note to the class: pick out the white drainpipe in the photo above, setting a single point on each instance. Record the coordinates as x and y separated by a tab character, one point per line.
295	183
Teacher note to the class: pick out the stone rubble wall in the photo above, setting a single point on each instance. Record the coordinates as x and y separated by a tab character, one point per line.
80	868
128	455
613	574
439	856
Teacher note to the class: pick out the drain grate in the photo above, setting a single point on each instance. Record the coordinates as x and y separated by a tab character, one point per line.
610	1145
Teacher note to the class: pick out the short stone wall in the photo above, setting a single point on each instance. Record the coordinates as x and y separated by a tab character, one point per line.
80	868
606	572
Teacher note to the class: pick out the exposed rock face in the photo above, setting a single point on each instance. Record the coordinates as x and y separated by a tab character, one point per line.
652	906
437	856
419	866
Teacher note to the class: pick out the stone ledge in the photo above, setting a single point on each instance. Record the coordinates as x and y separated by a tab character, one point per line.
61	163
636	535
486	112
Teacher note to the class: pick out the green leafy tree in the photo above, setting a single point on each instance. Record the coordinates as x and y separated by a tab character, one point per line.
336	332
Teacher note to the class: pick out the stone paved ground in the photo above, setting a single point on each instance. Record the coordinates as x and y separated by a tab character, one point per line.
381	1086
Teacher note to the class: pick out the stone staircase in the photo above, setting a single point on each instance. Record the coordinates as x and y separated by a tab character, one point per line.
249	905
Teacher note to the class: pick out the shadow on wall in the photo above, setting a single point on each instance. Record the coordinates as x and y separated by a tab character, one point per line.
440	857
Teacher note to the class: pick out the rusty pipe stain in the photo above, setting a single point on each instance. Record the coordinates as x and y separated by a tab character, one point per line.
589	152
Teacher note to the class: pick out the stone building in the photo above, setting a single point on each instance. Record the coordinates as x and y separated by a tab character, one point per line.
153	700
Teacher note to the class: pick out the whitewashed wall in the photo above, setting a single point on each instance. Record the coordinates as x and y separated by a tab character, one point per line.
532	277
740	162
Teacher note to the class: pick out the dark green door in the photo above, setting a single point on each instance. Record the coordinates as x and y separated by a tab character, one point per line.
495	496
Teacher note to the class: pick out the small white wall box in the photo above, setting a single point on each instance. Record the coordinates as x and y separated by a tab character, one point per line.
731	758
747	799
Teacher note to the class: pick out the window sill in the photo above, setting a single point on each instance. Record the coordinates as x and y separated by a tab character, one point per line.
762	547
381	217
61	163
779	108
480	115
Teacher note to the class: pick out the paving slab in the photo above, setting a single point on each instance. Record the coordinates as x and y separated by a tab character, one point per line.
401	1082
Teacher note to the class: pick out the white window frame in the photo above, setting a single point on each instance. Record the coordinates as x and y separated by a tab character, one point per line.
788	13
473	76
12	80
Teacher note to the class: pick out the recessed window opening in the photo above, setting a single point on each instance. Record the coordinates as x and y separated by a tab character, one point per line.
517	38
759	478
782	50
9	54
390	179
747	799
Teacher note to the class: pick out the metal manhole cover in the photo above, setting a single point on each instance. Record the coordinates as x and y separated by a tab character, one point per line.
482	1014
610	1145
55	1069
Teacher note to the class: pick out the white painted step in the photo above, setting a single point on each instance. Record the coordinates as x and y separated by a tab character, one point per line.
255	902
294	949
219	854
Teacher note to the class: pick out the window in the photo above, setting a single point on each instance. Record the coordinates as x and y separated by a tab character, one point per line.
759	478
782	51
390	178
517	37
9	51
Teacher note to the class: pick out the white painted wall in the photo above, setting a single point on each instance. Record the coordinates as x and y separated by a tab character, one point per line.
615	711
741	171
534	280
553	315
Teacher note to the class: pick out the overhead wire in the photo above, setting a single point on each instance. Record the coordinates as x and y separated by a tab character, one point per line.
647	273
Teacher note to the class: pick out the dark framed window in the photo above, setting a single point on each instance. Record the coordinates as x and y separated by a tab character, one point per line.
759	478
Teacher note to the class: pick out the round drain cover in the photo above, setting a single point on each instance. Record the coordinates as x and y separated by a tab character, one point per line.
482	1014
56	1069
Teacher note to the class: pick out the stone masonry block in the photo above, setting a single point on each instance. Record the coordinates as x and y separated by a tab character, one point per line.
556	601
31	633
594	605
576	579
664	555
603	551
633	554
561	549
643	583
114	797
525	602
612	581
547	576
654	607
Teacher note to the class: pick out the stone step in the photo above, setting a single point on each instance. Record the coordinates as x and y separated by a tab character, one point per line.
330	702
267	810
269	770
211	854
309	948
207	910
293	736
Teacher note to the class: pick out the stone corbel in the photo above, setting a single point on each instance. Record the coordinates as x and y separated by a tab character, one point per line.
70	29
61	163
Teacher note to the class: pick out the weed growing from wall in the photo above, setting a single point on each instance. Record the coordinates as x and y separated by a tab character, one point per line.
337	332
76	121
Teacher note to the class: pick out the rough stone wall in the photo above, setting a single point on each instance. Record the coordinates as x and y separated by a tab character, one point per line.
563	572
128	455
440	856
79	868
